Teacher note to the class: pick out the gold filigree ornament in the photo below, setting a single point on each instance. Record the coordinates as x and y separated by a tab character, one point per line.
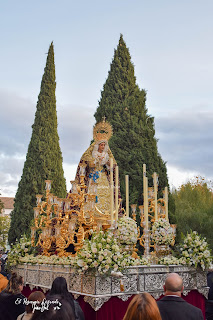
102	131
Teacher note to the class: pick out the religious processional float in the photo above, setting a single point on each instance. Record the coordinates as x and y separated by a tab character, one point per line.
90	239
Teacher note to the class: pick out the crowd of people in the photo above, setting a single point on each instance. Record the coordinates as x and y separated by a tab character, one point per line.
59	303
170	307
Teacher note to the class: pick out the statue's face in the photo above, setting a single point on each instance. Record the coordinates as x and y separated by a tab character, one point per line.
101	147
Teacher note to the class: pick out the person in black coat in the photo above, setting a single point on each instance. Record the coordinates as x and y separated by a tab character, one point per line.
11	299
57	309
59	287
209	302
172	306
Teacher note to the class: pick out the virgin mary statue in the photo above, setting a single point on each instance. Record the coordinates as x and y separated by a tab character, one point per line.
96	160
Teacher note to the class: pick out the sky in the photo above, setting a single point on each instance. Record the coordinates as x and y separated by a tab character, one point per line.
171	47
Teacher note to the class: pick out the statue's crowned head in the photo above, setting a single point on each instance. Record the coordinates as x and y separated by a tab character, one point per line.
102	131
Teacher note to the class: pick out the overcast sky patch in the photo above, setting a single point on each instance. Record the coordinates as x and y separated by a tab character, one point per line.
185	140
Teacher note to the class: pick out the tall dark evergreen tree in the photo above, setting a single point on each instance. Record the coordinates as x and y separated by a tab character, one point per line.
1	205
133	142
44	157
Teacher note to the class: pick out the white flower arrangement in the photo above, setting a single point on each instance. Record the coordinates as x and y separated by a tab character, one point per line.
144	261
20	249
195	251
52	260
127	232
103	254
171	260
162	232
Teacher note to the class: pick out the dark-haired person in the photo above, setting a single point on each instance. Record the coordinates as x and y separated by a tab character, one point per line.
142	307
58	309
29	309
3	280
11	299
172	306
209	302
3	262
59	287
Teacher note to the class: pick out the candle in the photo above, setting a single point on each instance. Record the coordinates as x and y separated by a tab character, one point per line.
156	196
116	193
38	197
141	208
48	185
111	190
133	207
144	175
146	202
166	203
32	232
145	196
36	212
127	195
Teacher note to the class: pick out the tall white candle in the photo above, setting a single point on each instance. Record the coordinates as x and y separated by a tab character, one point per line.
145	195
146	202
166	203
111	190
144	175
116	193
127	195
156	195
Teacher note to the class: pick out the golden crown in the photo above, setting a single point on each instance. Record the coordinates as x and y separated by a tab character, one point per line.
102	131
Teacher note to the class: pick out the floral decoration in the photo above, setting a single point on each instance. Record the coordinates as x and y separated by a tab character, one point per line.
103	254
171	260
162	232
20	249
52	260
127	232
195	251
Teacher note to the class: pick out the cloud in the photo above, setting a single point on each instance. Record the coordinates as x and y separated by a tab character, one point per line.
16	120
185	140
9	183
10	173
75	131
75	124
12	165
177	177
69	173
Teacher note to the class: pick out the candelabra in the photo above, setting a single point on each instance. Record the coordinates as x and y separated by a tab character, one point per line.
152	210
62	223
59	223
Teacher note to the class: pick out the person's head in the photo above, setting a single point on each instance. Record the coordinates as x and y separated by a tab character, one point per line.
58	309
59	286
142	307
34	296
173	285
15	284
101	146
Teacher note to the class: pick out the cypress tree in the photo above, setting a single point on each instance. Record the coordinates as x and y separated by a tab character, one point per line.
1	205
133	142
44	157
